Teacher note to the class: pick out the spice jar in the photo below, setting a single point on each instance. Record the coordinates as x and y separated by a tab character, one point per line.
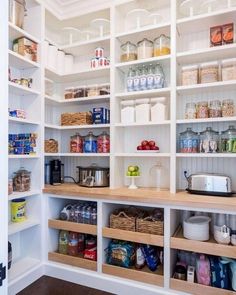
209	72
127	111
190	111
188	141
128	52
189	75
103	142
162	45
228	140
202	110
209	141
145	49
229	69
215	109
142	111
228	108
21	180
76	143
158	109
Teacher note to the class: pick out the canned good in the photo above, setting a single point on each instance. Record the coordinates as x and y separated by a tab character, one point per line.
18	210
94	63
102	62
99	52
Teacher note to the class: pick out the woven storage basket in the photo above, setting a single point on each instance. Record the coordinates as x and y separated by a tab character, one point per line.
51	146
121	220
149	225
82	118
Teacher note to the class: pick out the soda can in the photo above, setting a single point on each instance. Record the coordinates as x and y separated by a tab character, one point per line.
99	52
102	61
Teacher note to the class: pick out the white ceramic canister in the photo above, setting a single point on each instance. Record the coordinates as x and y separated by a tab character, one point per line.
158	109
69	63
127	111
142	110
60	61
52	57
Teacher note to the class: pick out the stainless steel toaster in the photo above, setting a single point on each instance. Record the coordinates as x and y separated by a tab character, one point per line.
209	184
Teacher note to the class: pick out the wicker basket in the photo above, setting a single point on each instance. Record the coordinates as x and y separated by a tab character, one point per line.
122	220
51	146
82	118
149	225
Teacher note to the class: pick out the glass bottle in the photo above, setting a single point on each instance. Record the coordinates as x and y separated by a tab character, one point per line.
162	45
188	141
228	140
159	78
209	141
143	78
150	77
130	80
137	79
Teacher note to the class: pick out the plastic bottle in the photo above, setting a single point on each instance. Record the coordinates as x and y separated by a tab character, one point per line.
94	216
63	241
73	244
143	78
88	214
130	80
137	80
150	77
159	78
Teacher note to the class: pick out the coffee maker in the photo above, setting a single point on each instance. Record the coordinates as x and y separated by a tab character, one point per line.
54	172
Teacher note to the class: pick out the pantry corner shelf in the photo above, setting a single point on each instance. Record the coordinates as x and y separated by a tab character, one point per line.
16	227
73	226
23	157
146	93
21	90
210	247
22	121
19	195
73	127
84	100
20	62
15	32
76	154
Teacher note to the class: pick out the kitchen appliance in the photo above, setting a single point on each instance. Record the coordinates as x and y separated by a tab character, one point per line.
54	172
93	176
209	184
17	10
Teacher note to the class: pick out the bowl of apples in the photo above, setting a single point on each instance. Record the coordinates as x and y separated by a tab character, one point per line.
148	146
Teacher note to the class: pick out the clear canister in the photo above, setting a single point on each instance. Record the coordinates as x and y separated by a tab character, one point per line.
22	180
188	141
209	141
228	140
190	111
228	108
145	49
103	142
215	110
202	110
209	72
76	143
229	69
189	75
128	52
162	45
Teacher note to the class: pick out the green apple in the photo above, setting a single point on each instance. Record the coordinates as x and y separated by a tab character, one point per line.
135	173
136	168
131	168
128	173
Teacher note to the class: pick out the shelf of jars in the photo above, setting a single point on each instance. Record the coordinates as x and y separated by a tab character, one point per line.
23	156
142	155
77	101
146	93
206	120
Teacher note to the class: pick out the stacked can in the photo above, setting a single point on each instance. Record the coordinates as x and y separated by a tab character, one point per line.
99	60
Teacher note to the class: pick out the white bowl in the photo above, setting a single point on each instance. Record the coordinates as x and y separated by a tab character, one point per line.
197	228
222	234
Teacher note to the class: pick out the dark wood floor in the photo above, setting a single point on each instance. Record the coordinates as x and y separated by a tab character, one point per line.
51	286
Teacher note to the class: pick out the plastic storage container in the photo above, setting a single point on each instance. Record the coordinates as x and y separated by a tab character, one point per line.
127	111
188	141
22	180
215	110
228	140
161	45
145	49
190	111
142	111
228	108
189	75
209	72
158	109
128	52
209	141
90	143
229	69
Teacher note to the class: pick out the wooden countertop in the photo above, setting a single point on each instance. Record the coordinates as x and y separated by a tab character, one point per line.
144	195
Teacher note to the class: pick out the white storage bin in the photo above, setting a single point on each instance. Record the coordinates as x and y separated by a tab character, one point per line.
69	63
142	110
127	111
60	61
52	57
158	109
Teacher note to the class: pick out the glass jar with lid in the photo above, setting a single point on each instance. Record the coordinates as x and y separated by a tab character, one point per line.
145	49
90	143
162	45
76	143
209	72
229	69
215	110
22	180
188	141
228	108
189	75
202	110
103	143
228	140
190	111
209	141
128	52
127	111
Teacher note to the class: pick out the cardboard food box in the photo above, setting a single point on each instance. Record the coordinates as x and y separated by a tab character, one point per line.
26	48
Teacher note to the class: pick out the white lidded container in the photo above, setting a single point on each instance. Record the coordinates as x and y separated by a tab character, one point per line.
52	56
142	110
60	61
209	72
228	69
69	63
127	111
197	228
158	109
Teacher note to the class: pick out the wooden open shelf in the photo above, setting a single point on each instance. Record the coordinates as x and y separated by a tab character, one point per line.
72	260
144	275
209	247
73	226
197	289
130	236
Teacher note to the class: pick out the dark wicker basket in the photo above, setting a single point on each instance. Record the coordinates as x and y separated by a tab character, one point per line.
150	225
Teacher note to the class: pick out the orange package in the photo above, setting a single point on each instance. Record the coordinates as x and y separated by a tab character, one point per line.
228	33
216	36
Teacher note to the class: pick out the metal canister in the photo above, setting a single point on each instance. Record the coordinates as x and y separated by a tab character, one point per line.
99	52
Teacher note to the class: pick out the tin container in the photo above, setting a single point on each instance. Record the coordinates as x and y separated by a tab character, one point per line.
99	52
18	210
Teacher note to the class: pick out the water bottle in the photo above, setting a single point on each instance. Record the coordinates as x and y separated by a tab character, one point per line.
159	78
130	80
88	214
94	216
150	77
83	215
137	80
143	78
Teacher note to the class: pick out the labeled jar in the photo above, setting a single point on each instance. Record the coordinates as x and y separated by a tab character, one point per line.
209	72
162	45
127	111
188	141
90	143
158	109
103	142
190	111
215	109
142	111
21	180
189	75
228	108
228	140
209	141
128	52
229	69
69	93
145	49
202	110
76	143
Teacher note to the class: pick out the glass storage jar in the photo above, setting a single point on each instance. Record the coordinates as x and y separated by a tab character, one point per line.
209	141
229	69
128	52
142	111
76	143
215	109
145	49
103	142
127	111
209	72
21	180
90	143
190	111
202	110
228	108
228	140
161	45
189	75
188	141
